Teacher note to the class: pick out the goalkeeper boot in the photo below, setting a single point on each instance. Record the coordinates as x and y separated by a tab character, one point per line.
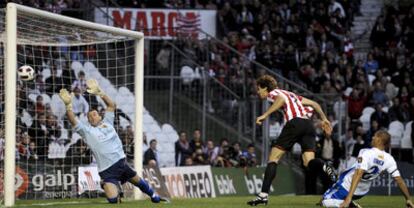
330	171
258	200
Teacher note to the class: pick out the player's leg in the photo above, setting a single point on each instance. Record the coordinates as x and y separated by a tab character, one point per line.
284	143
111	192
332	202
131	176
145	188
308	144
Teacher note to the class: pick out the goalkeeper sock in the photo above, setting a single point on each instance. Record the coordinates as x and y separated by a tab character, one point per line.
270	174
144	187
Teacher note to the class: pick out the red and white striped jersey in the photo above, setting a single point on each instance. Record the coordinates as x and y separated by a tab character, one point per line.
293	107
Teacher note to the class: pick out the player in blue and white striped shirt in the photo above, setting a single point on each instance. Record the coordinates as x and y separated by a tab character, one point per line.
355	182
101	137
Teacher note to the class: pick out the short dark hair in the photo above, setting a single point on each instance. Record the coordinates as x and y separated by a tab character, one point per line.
250	145
153	140
267	81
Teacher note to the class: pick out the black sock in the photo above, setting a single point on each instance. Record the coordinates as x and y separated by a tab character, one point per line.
316	165
270	174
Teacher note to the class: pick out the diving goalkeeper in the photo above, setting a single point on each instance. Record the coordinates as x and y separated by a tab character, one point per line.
101	137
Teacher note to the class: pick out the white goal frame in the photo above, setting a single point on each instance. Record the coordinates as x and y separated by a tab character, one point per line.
10	88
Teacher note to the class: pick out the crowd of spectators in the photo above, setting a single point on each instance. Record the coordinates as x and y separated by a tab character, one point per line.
55	6
195	152
308	42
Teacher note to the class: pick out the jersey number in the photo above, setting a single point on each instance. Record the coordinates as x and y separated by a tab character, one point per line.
370	174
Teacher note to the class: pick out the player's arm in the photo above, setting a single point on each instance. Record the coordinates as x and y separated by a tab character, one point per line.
278	103
401	184
356	178
93	88
326	125
67	100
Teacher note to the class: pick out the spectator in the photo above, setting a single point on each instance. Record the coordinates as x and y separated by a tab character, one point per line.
397	112
188	162
39	132
182	150
151	155
23	146
236	153
53	83
54	129
380	116
360	141
40	84
32	153
250	156
196	142
371	65
39	106
378	95
371	132
356	103
330	150
80	82
79	153
80	106
211	151
199	157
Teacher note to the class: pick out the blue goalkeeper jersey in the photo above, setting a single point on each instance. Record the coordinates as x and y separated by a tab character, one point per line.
103	140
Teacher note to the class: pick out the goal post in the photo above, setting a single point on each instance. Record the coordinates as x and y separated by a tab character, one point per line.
34	27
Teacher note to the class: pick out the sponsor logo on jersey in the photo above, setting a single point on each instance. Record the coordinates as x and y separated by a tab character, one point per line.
381	157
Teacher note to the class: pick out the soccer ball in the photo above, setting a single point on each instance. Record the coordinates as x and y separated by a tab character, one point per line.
26	73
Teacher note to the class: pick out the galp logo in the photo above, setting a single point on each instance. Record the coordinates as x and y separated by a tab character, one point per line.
21	182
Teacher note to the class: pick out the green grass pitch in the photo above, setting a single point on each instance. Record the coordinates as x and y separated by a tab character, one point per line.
221	202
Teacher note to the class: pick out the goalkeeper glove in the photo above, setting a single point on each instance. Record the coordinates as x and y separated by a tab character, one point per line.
93	88
66	98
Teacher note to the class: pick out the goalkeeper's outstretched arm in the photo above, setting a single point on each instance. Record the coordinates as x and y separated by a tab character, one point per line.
67	100
93	88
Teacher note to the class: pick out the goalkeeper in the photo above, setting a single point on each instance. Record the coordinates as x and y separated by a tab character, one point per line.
100	135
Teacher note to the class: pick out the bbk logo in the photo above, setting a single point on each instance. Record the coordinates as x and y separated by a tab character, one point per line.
53	180
254	184
225	184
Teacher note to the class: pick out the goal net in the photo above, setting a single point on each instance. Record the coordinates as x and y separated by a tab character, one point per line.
39	150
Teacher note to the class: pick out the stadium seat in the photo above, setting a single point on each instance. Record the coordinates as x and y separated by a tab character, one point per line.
167	128
173	137
385	109
368	110
371	79
64	134
162	137
365	120
187	74
76	66
26	118
406	142
32	97
58	107
46	99
155	128
45	74
396	130
148	119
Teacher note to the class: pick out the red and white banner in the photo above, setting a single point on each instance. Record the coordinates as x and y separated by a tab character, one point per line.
160	23
189	182
88	179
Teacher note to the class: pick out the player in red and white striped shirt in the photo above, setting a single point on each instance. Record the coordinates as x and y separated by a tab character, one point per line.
298	128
